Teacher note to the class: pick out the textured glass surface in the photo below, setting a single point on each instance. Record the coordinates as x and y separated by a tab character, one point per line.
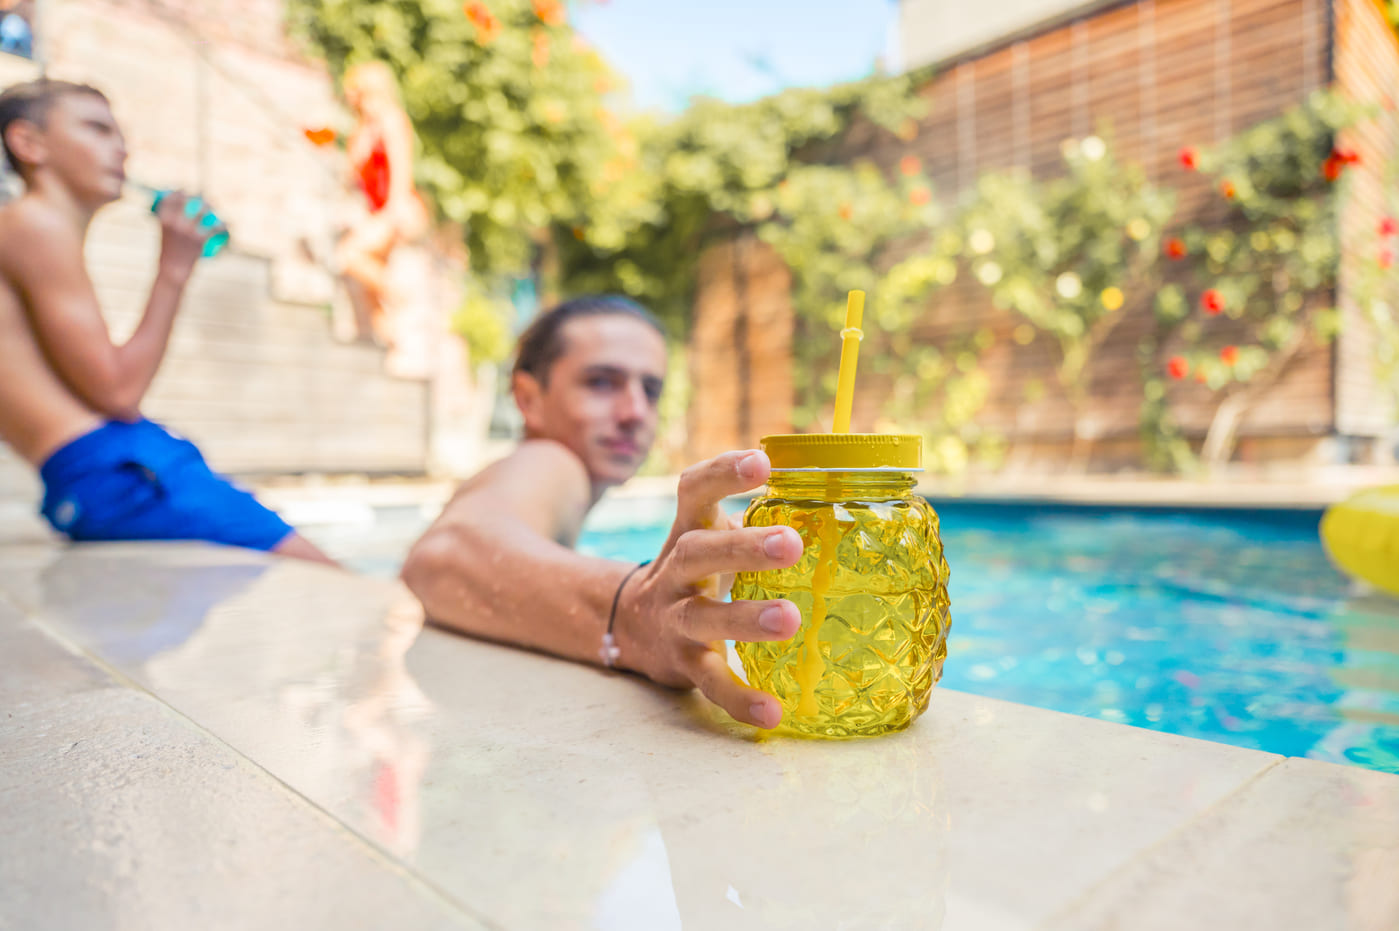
872	589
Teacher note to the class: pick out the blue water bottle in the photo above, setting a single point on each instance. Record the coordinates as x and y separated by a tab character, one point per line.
193	205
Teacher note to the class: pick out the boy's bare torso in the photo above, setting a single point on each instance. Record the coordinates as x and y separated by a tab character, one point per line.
39	414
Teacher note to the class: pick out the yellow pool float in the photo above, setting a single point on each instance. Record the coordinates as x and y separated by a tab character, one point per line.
1361	535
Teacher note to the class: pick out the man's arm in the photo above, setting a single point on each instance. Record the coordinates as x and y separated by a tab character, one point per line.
67	318
490	567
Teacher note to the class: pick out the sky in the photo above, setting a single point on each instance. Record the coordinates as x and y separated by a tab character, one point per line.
737	50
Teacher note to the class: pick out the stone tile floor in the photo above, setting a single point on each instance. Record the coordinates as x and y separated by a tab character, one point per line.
203	737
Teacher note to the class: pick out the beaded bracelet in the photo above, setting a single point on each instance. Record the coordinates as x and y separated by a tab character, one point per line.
610	652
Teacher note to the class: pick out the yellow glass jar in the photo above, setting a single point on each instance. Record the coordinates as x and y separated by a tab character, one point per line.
871	585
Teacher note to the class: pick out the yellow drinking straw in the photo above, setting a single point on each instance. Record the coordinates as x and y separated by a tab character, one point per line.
849	352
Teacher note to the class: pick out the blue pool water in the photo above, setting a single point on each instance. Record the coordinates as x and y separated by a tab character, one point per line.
1226	625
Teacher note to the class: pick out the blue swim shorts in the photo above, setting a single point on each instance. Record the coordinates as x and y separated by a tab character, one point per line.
138	481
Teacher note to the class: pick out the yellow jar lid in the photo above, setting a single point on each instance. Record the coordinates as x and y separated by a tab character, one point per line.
844	451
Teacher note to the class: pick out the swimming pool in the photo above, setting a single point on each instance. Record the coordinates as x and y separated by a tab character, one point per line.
1228	625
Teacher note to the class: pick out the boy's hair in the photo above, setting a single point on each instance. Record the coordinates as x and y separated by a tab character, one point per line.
31	102
542	342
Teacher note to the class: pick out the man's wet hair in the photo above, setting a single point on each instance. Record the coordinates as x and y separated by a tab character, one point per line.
32	101
542	342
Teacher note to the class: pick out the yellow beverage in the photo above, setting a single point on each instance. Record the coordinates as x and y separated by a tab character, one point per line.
871	585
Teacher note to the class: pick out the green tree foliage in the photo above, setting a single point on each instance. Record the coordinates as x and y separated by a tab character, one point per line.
715	169
1256	287
510	120
1067	253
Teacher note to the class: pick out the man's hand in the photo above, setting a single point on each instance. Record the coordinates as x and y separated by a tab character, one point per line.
671	624
182	237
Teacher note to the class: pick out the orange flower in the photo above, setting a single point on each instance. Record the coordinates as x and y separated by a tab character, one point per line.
910	165
487	25
539	53
1177	367
1189	158
846	211
1175	248
1386	257
1200	376
550	12
1212	302
919	196
1226	187
1229	355
320	137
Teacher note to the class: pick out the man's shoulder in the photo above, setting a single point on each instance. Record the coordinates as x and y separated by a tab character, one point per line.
536	466
546	453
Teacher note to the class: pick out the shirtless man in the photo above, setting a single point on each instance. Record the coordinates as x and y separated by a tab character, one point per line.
70	400
499	562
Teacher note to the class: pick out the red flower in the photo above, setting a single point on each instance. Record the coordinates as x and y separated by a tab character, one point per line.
320	137
1212	302
1189	158
1388	226
1175	248
550	12
1386	257
1226	187
919	196
1337	162
910	165
846	211
1177	367
487	26
1229	355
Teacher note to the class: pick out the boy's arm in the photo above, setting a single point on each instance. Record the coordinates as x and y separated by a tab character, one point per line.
490	567
67	318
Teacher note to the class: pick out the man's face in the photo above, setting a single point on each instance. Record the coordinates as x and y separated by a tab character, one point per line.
600	398
81	144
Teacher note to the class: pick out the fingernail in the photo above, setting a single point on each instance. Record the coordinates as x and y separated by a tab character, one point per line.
750	465
763	714
770	619
773	545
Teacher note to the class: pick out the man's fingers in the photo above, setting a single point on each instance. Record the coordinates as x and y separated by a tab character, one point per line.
700	554
704	485
706	620
717	682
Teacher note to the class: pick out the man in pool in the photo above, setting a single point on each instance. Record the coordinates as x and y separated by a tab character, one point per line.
499	562
70	399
